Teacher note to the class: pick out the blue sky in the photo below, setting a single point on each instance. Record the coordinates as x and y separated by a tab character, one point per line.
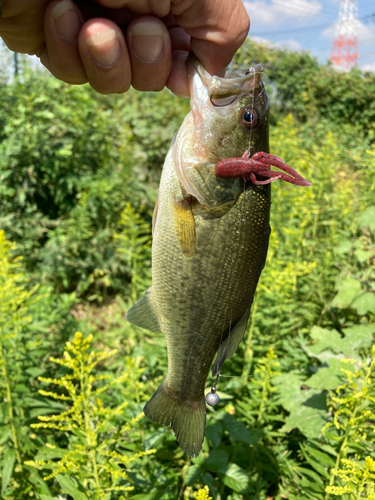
310	25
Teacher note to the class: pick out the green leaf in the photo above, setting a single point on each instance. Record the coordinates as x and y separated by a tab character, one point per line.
46	497
214	432
327	378
362	255
364	303
343	247
307	407
235	477
367	218
314	464
237	430
69	485
321	457
325	339
35	371
217	459
192	474
308	420
308	472
5	433
357	337
41	485
9	459
200	459
155	495
209	480
349	288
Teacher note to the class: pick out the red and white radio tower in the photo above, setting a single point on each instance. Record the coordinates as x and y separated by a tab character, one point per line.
344	52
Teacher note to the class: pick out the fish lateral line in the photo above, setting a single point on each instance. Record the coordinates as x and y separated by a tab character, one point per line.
259	164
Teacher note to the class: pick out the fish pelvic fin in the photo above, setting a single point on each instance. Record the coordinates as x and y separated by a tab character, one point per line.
187	418
143	313
229	346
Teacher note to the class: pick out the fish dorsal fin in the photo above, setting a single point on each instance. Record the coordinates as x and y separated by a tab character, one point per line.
143	313
229	346
184	225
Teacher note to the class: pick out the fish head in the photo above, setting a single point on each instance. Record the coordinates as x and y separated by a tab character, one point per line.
230	114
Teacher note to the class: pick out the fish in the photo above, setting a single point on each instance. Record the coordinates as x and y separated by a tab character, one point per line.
210	239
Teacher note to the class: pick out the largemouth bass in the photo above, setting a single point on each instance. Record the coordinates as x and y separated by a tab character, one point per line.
210	240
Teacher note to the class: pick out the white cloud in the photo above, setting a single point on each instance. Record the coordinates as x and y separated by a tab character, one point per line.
290	44
281	12
261	40
369	67
298	8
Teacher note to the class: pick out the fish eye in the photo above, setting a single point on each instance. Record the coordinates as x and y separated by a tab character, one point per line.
250	117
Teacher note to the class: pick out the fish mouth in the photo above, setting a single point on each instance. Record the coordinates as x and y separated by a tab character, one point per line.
224	91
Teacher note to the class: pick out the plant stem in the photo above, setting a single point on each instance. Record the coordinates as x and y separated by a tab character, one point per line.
10	404
361	488
264	389
88	430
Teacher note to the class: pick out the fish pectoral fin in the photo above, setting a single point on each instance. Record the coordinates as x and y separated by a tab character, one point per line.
229	346
184	225
143	313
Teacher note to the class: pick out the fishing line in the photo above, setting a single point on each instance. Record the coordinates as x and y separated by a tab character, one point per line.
212	398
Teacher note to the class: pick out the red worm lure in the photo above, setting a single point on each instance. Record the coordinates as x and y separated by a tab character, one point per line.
259	164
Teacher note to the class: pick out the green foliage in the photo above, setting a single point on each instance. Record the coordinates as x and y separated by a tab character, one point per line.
90	466
297	409
134	247
70	162
30	320
358	479
353	407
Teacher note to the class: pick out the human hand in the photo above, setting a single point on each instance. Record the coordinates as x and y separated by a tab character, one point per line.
113	44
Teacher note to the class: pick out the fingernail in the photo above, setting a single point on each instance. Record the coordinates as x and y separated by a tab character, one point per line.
147	40
104	46
66	20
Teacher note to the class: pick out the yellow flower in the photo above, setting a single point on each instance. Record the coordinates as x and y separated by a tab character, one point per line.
202	494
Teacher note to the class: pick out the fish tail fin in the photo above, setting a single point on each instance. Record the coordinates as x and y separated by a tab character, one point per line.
187	418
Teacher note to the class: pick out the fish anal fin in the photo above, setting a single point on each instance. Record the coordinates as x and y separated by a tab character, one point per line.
143	313
229	346
184	226
187	418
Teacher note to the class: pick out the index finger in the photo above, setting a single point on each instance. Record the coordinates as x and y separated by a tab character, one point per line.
217	30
